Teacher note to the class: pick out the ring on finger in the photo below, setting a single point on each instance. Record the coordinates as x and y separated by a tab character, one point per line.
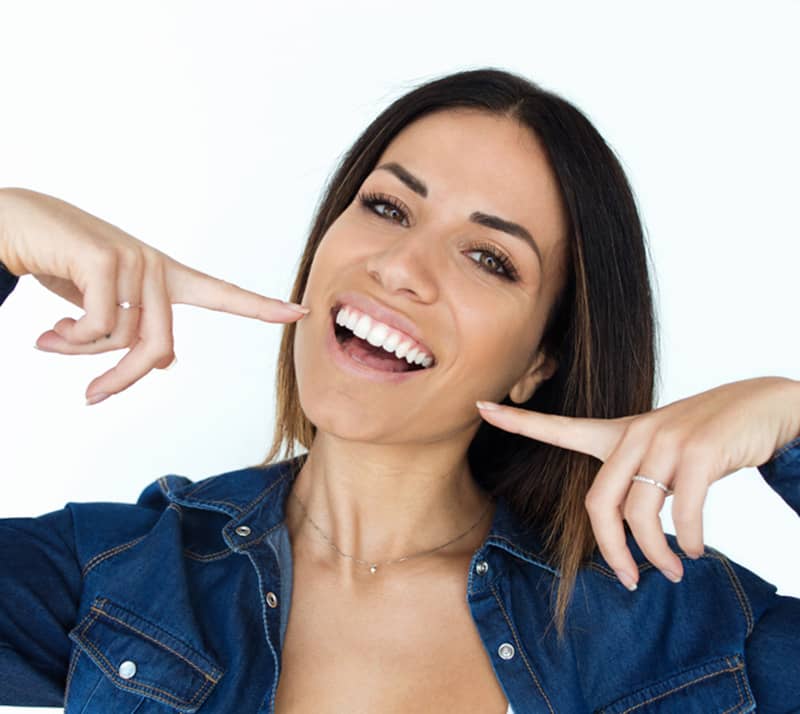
125	305
646	479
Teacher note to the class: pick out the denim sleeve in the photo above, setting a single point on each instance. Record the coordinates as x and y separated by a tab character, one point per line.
40	587
8	281
772	648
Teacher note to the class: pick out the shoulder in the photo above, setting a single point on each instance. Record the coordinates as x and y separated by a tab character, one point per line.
714	589
193	508
667	641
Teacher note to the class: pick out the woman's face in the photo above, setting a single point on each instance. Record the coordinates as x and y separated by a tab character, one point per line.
475	295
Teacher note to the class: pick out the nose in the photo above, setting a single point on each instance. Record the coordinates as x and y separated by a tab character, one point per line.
405	267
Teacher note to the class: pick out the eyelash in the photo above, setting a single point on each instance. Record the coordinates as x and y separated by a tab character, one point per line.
369	200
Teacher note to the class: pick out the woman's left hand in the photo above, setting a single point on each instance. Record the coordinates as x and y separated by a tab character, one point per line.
686	445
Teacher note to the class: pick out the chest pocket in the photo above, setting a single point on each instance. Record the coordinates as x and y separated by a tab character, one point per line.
125	663
719	686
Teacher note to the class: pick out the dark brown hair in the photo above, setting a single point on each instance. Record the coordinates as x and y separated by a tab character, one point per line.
601	330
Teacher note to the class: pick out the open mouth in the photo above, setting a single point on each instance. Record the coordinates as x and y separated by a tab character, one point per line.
370	355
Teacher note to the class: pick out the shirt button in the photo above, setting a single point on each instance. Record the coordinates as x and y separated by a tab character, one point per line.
506	650
482	568
243	530
127	669
272	599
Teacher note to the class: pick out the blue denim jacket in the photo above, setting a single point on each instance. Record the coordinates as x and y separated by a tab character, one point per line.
179	603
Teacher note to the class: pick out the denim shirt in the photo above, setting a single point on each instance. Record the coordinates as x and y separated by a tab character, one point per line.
179	603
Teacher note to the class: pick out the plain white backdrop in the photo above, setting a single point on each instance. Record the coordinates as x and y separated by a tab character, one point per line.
208	130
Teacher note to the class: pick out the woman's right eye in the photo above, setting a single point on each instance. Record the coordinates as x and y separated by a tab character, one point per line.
370	200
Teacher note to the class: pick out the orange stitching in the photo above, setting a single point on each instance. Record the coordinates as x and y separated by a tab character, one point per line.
108	668
207	558
153	639
680	686
519	647
108	553
738	689
740	594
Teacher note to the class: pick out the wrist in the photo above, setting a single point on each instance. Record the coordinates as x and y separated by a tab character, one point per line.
7	262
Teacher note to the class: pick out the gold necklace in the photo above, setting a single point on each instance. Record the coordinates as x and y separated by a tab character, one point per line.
373	567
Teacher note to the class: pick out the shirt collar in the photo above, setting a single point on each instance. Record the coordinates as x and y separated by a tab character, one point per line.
255	498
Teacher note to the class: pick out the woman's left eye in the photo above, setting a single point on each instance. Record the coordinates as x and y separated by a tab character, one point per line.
506	271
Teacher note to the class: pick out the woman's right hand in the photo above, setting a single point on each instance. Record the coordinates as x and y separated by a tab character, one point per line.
95	265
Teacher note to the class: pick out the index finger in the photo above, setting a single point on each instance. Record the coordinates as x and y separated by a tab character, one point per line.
596	437
189	286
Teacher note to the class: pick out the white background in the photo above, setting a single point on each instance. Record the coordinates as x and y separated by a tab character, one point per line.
208	130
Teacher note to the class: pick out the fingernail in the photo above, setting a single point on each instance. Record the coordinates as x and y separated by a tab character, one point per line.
487	405
627	581
99	397
298	308
675	578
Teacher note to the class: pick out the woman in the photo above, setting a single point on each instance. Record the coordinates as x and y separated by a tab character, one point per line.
479	242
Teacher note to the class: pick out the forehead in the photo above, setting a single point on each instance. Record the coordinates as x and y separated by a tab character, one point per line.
471	160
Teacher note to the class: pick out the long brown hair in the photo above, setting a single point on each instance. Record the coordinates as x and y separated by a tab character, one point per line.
601	330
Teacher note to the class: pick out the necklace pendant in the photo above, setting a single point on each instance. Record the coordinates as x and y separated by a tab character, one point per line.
373	568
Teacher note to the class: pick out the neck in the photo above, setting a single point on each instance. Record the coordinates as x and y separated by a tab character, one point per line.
379	502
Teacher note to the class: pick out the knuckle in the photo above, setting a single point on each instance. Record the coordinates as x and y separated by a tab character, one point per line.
132	258
103	257
639	429
633	515
594	501
668	438
695	451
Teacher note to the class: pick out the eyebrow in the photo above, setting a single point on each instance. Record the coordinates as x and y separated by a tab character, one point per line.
483	219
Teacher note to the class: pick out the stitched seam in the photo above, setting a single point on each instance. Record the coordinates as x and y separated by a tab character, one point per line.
531	554
175	507
261	495
108	553
739	590
198	487
519	648
207	558
740	676
256	541
96	559
75	654
154	640
738	689
108	668
681	686
211	502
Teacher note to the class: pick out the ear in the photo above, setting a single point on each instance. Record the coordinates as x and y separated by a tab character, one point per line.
542	368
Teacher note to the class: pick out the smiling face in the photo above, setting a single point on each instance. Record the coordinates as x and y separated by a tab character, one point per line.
460	239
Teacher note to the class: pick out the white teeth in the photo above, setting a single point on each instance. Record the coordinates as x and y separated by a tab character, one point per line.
380	335
377	335
362	327
400	352
392	342
351	319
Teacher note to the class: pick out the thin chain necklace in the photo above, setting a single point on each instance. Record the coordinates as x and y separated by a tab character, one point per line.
373	567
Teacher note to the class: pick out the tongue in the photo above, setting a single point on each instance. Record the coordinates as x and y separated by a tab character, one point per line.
376	357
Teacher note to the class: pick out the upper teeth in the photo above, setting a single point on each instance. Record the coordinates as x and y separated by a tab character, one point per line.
380	335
